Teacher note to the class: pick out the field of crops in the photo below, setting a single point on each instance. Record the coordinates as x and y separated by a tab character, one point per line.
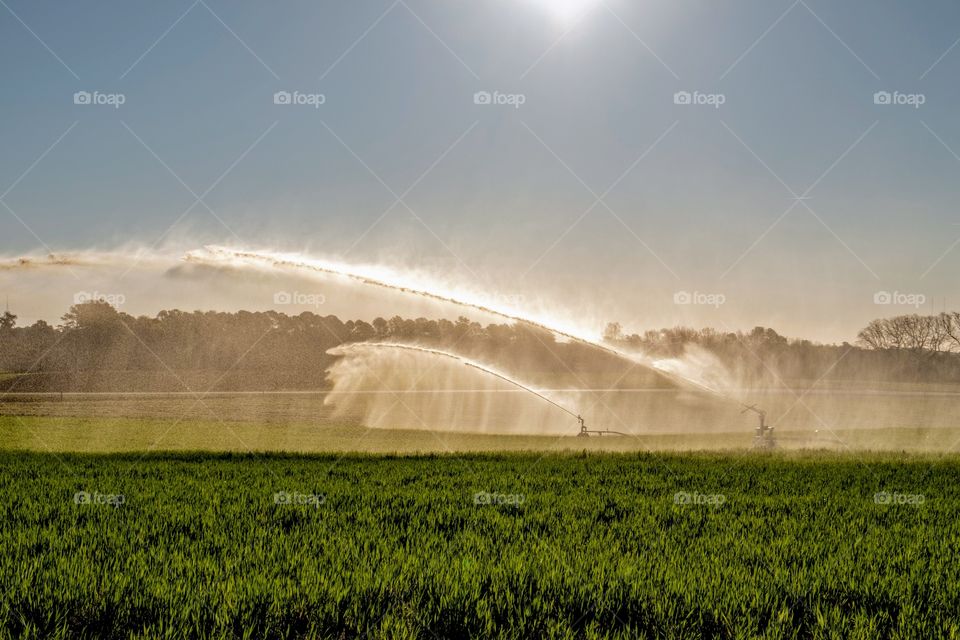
305	423
519	546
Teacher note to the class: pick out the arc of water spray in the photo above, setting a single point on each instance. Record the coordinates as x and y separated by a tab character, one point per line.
330	268
215	253
461	359
478	366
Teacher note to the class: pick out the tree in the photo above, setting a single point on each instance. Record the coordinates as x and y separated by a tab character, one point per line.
92	314
952	330
7	321
873	335
95	330
613	332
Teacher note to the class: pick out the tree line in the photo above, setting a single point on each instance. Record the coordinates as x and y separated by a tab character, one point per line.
930	334
97	347
901	349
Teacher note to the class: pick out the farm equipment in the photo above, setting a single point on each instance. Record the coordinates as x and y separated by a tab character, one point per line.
763	437
585	432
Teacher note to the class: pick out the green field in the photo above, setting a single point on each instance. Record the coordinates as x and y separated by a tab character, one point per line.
305	423
116	435
568	546
89	434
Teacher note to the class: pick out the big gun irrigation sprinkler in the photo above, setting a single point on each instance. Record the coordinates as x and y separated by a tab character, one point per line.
585	432
763	435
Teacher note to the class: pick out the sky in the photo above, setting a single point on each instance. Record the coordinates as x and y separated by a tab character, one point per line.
790	164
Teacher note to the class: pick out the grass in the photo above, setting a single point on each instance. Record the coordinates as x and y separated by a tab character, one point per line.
117	434
788	545
122	434
308	423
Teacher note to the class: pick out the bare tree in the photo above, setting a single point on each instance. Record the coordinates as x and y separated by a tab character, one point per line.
928	334
941	328
917	332
874	335
953	330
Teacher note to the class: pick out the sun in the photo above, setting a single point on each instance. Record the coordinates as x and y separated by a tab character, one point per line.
565	11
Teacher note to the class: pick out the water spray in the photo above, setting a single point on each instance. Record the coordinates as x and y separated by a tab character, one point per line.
376	276
386	279
584	431
382	278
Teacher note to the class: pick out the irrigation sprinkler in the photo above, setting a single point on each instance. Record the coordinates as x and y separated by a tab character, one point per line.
584	431
763	435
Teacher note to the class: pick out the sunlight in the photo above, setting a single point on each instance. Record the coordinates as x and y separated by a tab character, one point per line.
566	11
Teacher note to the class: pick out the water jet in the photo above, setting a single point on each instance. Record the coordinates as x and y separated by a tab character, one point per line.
584	430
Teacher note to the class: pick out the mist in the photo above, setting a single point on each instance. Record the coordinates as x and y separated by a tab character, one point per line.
692	392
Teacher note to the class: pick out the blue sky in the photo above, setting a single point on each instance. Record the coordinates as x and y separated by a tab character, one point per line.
701	196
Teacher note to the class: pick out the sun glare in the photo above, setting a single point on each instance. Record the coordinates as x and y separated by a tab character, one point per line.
565	11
